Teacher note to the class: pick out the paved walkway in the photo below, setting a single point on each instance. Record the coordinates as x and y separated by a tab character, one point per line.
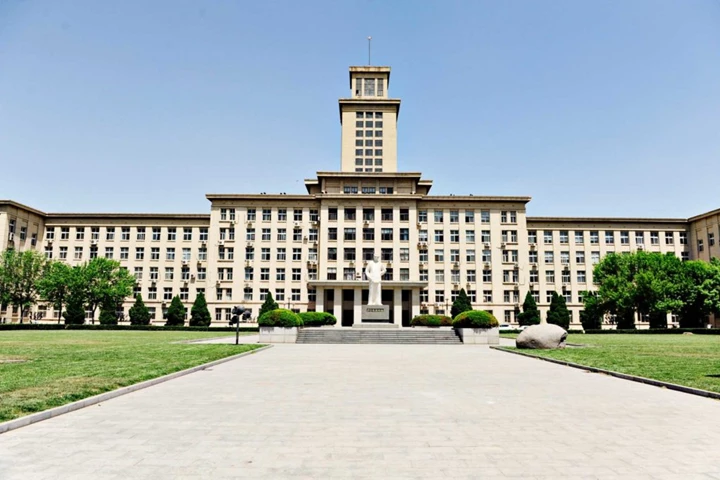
378	411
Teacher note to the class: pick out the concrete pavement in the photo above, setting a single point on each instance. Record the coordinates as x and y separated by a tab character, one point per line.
378	411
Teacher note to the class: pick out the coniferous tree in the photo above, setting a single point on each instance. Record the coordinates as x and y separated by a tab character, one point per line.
559	313
461	304
139	313
175	313
74	312
107	313
269	305
199	313
530	314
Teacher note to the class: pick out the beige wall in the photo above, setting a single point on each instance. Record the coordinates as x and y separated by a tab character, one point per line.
705	228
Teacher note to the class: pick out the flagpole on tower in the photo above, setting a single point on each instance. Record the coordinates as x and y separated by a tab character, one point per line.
369	41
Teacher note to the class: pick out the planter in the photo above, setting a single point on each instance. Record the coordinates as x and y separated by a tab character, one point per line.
480	336
278	334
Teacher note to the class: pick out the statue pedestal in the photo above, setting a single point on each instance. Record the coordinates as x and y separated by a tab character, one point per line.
375	314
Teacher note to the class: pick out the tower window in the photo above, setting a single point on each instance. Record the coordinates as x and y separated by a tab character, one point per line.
369	90
359	114
359	124
380	87
358	133
358	161
378	114
370	124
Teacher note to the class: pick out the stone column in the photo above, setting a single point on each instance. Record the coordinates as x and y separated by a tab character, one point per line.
415	303
337	306
357	304
397	306
320	299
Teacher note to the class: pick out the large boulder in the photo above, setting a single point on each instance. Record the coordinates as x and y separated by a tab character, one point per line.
542	336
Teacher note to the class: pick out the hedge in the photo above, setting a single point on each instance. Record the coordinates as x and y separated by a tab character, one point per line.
280	318
656	331
475	319
54	326
317	319
517	330
431	321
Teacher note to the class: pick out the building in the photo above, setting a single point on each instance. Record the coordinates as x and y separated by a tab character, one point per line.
309	250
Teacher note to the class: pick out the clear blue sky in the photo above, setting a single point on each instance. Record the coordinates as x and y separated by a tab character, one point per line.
593	108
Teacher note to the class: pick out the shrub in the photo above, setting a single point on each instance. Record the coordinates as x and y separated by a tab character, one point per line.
199	314
268	305
74	312
558	313
175	313
461	304
317	319
432	321
107	314
139	313
475	319
530	314
280	318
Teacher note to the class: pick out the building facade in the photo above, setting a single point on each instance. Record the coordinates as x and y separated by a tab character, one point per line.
310	250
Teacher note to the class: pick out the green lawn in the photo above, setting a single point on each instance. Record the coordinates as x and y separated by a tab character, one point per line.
691	360
44	369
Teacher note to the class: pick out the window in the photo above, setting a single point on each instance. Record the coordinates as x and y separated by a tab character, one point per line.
470	255
265	236
169	254
296	274
332	254
454	236
124	253
640	238
669	238
594	237
579	237
281	256
487	276
485	236
201	273
423	275
187	234
64	233
282	235
711	239
439	236
439	276
509	236
170	273
654	238
404	234
565	258
485	216
332	214
581	276
248	294
533	256
609	238
532	236
510	256
79	233
683	238
454	255
404	215
549	257
422	216
265	254
93	251
155	253
139	253
167	293
265	274
625	237
282	214
440	255
550	276
547	237
564	237
297	215
438	216
350	214
350	234
580	257
332	273
251	215
349	254
386	234
266	215
595	257
202	254
510	276
469	236
700	246
487	296
486	256
171	234
297	254
386	215
280	274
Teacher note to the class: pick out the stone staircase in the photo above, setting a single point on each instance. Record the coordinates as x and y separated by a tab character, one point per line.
404	336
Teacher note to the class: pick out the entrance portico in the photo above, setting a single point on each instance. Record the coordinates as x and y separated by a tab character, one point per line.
345	298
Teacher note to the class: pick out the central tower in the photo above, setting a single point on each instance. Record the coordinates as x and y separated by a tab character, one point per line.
369	122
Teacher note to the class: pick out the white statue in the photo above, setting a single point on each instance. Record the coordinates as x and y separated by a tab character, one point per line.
374	273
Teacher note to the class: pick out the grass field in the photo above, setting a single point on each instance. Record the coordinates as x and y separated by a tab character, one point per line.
45	369
691	360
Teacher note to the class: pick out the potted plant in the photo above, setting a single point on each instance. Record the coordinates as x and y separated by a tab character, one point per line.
476	327
279	326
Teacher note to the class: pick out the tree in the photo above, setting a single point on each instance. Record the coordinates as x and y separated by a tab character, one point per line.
592	314
199	313
558	313
175	313
530	314
139	313
697	292
461	304
74	312
104	281
269	305
108	314
54	286
19	276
